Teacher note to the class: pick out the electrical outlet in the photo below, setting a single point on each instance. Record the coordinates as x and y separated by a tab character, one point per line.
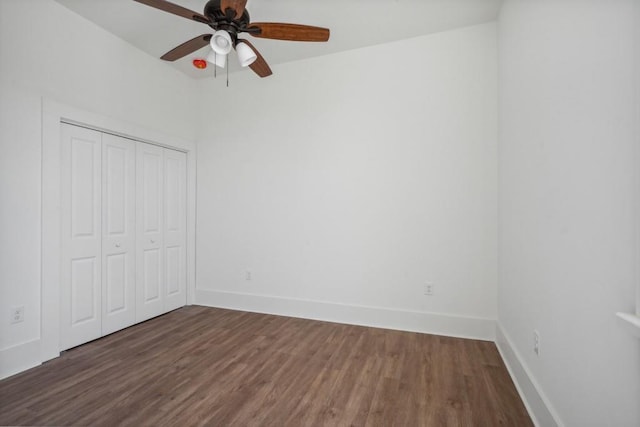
428	289
536	343
17	314
247	275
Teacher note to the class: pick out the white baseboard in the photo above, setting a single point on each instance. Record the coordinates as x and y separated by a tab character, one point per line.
540	409
19	358
405	320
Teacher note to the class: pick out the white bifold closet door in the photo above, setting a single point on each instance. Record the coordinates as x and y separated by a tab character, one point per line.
123	233
175	229
81	236
118	233
161	236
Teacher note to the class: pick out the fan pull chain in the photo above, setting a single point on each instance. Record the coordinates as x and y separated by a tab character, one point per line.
227	75
215	67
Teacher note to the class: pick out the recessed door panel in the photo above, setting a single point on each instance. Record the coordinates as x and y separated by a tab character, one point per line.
85	194
173	191
116	284
173	267
152	189
151	271
85	288
116	202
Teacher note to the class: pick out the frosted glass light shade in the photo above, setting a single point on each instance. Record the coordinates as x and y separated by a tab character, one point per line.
246	55
221	42
217	59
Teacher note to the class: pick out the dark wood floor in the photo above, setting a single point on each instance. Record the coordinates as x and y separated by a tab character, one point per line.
210	366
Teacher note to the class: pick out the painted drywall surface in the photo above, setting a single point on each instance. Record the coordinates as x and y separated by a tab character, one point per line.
58	55
569	193
356	178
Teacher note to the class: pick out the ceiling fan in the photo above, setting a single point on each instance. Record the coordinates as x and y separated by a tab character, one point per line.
229	18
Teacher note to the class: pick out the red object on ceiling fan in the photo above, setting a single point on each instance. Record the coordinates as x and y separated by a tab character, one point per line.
199	63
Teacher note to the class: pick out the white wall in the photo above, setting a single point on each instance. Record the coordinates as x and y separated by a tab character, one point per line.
569	196
58	55
353	179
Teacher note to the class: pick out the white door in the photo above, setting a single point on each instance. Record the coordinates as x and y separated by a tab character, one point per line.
80	269
118	233
149	225
175	224
123	255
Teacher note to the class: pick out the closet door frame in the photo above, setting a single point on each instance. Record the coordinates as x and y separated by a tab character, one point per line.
53	115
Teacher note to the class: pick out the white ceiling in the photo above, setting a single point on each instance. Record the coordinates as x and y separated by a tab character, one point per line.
353	24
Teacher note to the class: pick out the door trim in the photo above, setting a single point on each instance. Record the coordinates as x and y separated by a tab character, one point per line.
53	114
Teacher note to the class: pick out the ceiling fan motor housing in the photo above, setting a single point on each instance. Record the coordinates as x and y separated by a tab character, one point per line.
225	19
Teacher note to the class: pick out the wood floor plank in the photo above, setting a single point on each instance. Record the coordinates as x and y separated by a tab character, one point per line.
208	366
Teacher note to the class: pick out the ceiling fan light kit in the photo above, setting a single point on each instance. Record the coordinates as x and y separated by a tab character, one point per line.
246	55
216	59
228	18
221	42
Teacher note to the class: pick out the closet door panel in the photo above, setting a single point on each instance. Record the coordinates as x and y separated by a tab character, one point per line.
118	233
116	282
151	275
84	282
81	252
175	164
173	255
149	224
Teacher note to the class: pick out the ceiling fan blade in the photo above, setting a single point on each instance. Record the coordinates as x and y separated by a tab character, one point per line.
176	10
259	66
236	5
295	32
187	47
